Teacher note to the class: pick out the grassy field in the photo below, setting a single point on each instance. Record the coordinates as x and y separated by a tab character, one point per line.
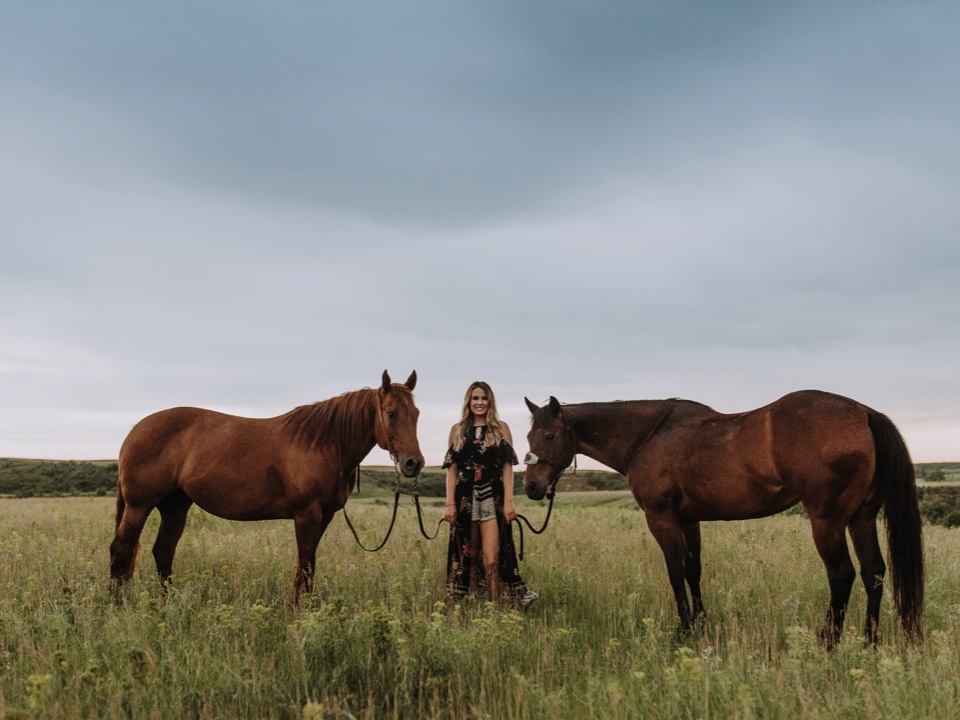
377	639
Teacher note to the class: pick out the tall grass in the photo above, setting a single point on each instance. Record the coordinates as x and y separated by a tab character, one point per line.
377	639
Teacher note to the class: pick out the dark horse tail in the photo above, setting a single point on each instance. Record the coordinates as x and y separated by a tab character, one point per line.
895	479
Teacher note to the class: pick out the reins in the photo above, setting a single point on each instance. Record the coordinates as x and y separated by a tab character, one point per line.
416	501
519	519
393	519
551	493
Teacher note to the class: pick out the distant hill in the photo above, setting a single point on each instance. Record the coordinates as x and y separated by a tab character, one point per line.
63	478
939	491
938	472
56	478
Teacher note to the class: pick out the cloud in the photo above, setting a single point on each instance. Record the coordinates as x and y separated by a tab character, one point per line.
258	208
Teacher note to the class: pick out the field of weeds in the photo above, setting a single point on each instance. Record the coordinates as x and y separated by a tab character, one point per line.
377	639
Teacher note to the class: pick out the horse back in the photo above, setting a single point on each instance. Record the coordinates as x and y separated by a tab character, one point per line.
808	446
202	452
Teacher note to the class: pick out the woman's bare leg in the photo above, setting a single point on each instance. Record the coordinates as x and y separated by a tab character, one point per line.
490	538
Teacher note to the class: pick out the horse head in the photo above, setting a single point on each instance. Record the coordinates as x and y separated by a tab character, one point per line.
396	425
552	448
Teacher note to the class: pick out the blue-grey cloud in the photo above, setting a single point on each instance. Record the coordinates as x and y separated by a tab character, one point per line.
252	207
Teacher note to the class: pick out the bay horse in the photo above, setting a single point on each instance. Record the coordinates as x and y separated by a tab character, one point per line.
686	463
299	466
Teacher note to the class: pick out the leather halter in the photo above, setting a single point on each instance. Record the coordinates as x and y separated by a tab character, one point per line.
532	459
386	436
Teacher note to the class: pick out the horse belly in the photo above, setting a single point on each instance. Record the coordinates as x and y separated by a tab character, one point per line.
737	503
735	477
236	492
734	494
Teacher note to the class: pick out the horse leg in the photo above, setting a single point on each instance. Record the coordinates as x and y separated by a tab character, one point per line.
872	570
830	539
691	565
173	517
126	542
309	527
666	531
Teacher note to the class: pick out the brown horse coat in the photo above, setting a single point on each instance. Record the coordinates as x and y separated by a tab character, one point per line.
686	463
297	466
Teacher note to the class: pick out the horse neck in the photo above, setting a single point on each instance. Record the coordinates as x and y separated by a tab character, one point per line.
353	454
609	432
359	434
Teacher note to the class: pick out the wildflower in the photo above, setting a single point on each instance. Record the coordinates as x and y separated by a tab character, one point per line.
312	711
890	664
438	617
39	688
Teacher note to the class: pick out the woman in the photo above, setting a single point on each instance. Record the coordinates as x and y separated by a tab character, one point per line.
480	508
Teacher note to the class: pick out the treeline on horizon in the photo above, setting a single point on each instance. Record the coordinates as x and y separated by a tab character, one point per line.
73	478
76	478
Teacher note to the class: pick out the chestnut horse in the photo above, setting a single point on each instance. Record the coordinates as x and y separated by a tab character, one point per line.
686	462
299	466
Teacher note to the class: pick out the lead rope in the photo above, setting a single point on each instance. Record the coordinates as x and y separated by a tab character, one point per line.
551	493
396	504
416	501
396	492
519	519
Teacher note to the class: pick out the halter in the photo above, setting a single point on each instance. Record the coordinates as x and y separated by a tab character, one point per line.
531	458
386	436
396	492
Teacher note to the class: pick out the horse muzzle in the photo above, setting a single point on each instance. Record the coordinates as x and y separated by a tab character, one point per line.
536	480
411	466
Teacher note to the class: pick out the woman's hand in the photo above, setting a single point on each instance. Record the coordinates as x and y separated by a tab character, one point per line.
509	511
450	513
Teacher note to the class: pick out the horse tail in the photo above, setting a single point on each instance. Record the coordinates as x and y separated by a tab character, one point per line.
894	476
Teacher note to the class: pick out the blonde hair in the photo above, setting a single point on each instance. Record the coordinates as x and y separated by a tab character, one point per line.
494	427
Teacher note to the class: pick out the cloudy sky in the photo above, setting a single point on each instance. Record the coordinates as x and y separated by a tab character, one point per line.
251	206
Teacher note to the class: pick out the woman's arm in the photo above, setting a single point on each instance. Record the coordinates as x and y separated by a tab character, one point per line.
509	511
450	511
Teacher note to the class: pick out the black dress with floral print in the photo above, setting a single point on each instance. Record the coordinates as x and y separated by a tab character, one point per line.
480	471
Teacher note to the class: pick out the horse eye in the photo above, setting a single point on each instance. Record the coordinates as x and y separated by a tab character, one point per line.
391	414
550	436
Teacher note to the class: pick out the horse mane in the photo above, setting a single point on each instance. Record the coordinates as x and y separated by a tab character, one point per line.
673	400
342	420
543	411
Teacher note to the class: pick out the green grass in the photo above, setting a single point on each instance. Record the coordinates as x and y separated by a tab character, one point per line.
377	639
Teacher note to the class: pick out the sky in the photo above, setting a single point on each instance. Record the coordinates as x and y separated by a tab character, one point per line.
249	207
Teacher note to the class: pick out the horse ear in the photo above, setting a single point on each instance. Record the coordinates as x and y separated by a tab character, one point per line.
532	406
554	405
411	382
386	381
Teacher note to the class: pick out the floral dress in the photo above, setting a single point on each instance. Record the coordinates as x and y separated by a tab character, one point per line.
479	479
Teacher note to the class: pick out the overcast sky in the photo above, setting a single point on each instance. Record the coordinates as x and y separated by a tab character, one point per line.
252	206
